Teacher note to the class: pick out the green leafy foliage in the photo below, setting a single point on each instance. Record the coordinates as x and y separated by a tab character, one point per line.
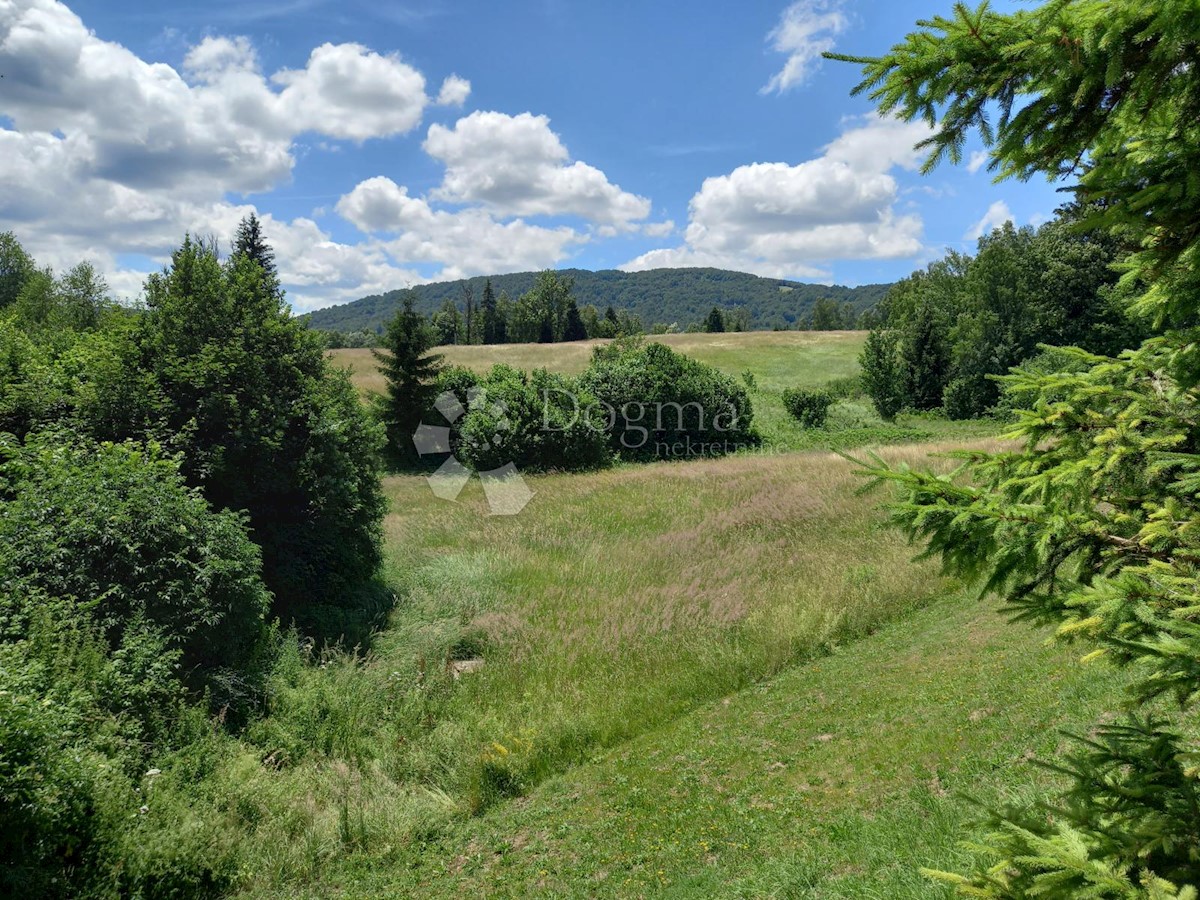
881	369
111	540
658	398
536	421
809	408
965	320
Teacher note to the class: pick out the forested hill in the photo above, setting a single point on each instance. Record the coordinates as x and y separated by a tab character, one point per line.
679	296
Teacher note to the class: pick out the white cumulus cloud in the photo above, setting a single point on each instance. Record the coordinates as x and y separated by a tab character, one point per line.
783	220
805	31
997	214
454	92
517	166
410	229
347	91
107	155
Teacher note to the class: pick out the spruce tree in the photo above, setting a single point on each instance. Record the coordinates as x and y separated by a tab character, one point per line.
410	371
715	323
243	390
504	312
469	304
573	330
251	243
1093	522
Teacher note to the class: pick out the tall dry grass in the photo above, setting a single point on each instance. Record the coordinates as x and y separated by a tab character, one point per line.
615	603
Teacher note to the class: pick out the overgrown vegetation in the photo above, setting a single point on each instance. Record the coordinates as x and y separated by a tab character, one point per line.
171	479
657	400
809	408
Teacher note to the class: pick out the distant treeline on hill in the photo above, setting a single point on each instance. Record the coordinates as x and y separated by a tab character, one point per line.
660	299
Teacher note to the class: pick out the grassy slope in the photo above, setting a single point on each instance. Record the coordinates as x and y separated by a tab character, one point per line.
617	602
835	779
657	694
614	608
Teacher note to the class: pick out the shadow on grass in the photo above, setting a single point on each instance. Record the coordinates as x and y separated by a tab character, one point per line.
353	623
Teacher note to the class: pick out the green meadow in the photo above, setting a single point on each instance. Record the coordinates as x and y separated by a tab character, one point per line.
773	360
710	678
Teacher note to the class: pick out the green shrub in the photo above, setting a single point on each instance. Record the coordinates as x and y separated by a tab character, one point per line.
658	399
882	372
458	380
809	408
47	784
535	421
80	812
32	391
110	539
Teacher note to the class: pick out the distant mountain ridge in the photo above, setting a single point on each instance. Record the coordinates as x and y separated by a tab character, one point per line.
667	296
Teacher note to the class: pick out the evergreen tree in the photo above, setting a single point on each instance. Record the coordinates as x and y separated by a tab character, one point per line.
264	425
1094	523
250	242
504	311
410	372
715	323
574	330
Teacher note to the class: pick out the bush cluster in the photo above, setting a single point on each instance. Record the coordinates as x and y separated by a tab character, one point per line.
633	399
655	396
809	408
532	420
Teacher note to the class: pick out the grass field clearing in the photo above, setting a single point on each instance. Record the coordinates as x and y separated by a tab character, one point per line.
776	359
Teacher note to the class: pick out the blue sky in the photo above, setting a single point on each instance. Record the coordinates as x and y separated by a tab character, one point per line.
390	143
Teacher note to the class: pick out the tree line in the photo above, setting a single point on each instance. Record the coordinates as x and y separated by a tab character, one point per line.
945	335
659	298
549	421
550	313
